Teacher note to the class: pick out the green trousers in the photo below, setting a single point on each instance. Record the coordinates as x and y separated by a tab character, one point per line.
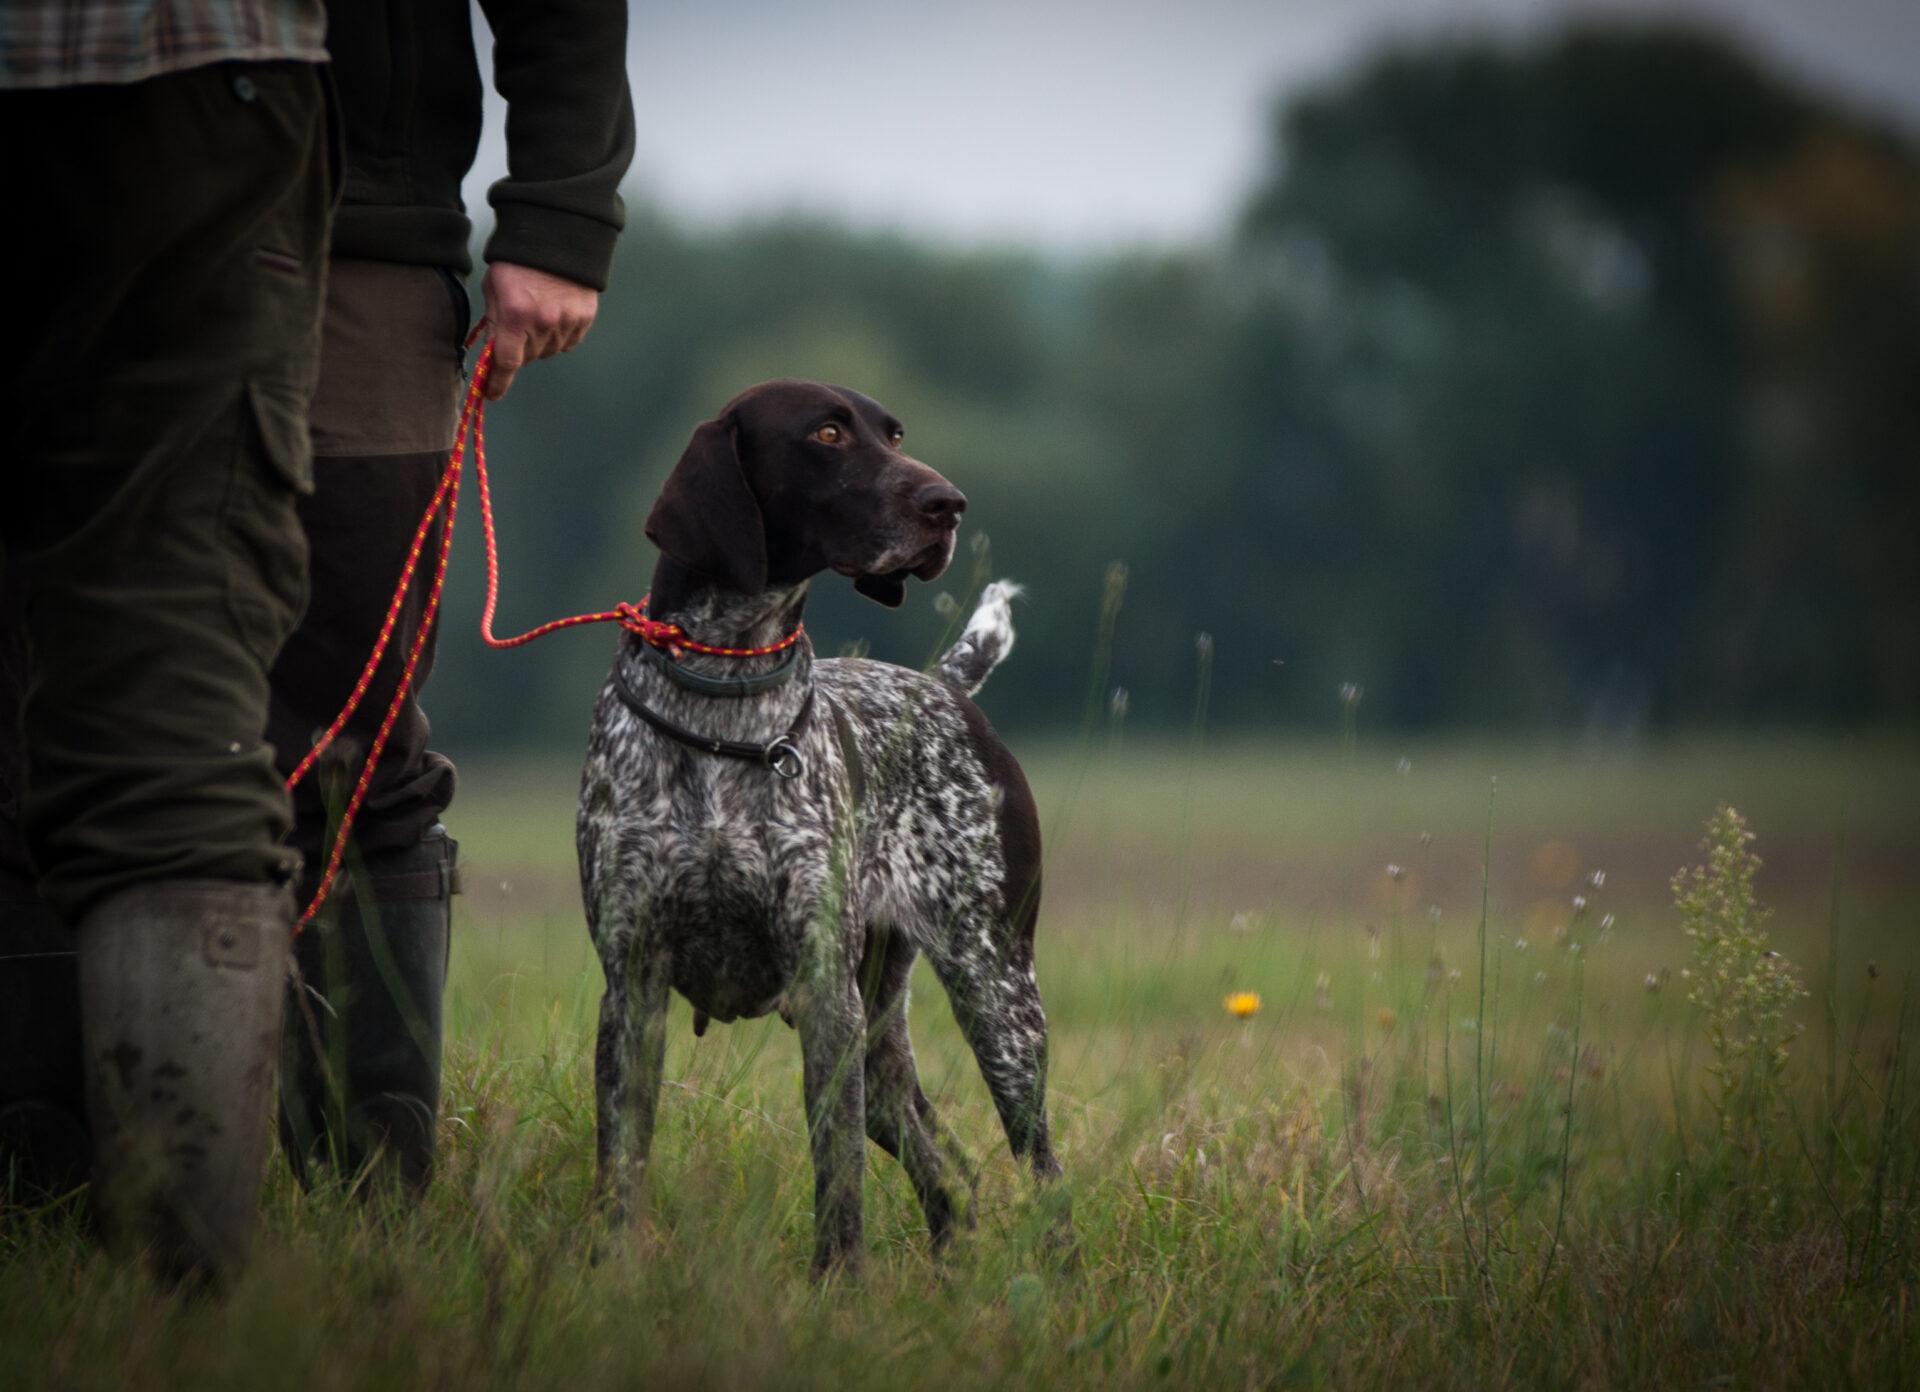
170	239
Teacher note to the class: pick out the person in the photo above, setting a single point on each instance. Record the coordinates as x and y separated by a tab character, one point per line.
361	1049
169	172
361	1069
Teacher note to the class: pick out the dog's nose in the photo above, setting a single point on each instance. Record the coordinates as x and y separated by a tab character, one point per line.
941	504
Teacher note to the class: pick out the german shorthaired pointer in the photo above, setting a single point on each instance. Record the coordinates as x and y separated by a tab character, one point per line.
775	832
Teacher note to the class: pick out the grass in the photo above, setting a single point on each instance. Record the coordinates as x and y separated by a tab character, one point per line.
1389	1175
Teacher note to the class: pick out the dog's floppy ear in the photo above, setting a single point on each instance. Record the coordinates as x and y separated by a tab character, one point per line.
882	589
707	518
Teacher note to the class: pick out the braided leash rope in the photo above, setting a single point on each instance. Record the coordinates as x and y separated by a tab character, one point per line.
669	638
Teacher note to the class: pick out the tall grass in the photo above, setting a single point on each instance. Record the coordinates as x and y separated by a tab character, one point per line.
1512	1178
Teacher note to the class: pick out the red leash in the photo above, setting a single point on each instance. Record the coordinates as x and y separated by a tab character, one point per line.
669	637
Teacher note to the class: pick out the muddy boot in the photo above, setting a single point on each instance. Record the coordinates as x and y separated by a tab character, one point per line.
44	1146
181	988
360	1067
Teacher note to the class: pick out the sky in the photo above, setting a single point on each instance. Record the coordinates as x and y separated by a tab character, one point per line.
1080	125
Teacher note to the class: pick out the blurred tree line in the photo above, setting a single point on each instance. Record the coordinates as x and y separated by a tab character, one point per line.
1570	387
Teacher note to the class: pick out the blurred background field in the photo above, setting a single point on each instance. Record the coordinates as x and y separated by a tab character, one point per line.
1175	875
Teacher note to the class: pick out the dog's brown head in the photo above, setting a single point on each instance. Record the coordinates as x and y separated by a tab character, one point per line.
793	478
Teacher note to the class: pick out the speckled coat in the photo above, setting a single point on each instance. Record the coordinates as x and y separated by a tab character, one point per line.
751	893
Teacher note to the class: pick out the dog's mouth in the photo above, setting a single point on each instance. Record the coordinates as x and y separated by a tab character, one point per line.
889	587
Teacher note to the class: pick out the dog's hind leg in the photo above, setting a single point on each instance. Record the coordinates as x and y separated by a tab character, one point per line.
629	1059
900	1119
996	1000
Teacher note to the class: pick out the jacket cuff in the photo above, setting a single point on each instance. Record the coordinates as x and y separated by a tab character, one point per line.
559	243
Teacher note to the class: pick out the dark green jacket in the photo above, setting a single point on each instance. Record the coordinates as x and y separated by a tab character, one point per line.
409	90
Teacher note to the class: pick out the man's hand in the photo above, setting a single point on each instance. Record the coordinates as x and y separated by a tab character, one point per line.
532	315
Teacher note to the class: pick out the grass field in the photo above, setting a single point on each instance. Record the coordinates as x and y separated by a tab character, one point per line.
1436	1155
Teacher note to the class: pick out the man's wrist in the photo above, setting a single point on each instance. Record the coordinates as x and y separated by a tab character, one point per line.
575	248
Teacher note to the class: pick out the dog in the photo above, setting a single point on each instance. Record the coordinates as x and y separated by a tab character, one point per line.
763	831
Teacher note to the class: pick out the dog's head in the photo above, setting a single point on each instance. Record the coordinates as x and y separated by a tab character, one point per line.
793	478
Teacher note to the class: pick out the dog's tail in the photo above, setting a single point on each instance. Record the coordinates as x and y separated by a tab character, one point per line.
985	643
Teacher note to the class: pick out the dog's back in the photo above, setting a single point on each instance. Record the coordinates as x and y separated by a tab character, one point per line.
948	833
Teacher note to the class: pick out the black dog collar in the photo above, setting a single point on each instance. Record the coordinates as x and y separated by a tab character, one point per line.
676	673
782	754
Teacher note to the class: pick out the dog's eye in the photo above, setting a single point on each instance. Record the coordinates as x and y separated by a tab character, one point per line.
829	434
895	436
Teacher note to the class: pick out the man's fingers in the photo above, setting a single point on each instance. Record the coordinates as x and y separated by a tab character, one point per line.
534	315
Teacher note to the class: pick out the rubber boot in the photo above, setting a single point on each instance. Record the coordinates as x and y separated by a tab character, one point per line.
45	1148
181	988
360	1061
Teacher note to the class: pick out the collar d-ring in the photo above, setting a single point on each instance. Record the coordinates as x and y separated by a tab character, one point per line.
783	757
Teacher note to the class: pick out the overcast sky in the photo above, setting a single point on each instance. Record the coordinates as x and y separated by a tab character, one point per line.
1079	124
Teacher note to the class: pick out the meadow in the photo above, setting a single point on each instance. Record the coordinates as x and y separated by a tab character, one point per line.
1470	1133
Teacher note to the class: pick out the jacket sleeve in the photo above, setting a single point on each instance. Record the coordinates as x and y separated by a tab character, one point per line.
562	67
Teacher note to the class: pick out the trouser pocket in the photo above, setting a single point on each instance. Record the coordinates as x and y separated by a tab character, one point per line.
266	570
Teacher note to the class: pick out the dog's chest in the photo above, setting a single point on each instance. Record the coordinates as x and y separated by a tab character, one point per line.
727	874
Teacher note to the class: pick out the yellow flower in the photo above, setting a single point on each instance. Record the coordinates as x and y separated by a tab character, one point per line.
1387	1020
1242	1004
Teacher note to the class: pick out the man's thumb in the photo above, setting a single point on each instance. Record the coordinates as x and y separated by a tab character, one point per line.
509	354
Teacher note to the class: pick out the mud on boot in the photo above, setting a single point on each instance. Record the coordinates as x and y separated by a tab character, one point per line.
181	988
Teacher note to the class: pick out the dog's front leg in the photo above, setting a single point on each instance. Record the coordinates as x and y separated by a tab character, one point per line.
628	1063
833	1050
